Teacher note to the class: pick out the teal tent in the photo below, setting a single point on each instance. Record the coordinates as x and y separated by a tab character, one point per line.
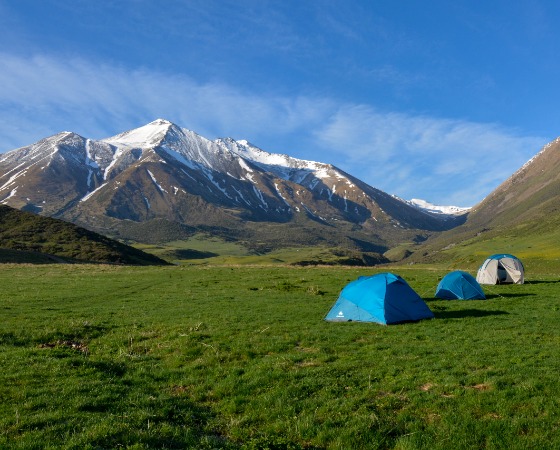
459	285
384	298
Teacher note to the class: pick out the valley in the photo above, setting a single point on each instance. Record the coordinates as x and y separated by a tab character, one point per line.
224	345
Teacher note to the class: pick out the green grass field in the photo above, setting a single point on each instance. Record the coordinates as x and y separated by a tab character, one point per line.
201	357
204	250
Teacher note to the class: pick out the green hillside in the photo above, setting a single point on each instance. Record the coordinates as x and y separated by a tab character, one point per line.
29	238
535	242
521	216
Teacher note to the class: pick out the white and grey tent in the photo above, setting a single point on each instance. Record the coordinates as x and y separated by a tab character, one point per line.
501	268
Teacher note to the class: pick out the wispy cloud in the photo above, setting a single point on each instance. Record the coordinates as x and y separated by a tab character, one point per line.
449	161
458	161
101	98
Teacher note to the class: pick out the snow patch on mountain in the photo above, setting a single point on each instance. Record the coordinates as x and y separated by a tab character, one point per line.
116	156
13	178
12	194
155	181
283	166
260	196
87	196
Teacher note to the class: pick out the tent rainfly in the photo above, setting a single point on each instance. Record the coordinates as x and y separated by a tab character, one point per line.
459	285
384	298
501	268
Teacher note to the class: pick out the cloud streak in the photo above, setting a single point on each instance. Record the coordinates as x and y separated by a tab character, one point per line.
449	161
104	98
459	161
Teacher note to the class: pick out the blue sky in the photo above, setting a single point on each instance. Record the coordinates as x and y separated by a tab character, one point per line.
435	100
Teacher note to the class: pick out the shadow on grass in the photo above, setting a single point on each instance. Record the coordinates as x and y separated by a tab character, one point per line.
466	313
508	295
541	281
181	424
80	333
157	415
189	254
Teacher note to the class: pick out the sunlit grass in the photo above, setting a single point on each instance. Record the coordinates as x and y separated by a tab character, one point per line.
201	250
240	357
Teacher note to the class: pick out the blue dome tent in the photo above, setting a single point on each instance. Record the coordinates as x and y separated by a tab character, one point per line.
384	298
459	285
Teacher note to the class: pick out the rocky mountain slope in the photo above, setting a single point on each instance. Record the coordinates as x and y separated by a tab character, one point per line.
161	182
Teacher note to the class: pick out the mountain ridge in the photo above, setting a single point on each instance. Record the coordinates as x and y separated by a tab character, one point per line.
162	172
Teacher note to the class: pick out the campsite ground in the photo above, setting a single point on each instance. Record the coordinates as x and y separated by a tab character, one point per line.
239	357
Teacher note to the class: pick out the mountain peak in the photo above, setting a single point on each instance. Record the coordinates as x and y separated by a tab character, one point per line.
66	138
161	122
145	136
64	135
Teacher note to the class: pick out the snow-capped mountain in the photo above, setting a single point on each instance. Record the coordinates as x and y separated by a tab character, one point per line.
437	209
162	181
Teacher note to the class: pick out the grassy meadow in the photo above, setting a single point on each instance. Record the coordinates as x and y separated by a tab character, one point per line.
204	250
225	357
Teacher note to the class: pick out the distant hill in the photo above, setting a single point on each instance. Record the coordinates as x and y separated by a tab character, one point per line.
160	183
521	216
27	237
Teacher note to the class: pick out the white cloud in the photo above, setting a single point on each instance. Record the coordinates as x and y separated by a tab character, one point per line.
456	161
96	98
441	160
